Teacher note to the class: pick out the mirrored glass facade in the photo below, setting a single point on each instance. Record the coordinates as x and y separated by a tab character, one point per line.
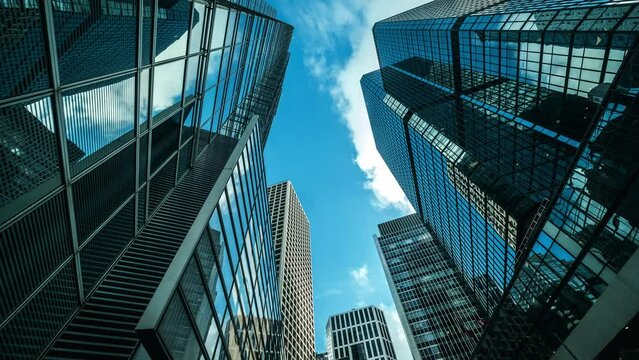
502	121
441	320
119	121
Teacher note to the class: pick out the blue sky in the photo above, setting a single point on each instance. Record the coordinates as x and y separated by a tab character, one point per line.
321	141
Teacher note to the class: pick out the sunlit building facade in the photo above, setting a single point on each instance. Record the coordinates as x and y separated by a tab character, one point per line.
510	126
359	334
292	242
133	212
439	317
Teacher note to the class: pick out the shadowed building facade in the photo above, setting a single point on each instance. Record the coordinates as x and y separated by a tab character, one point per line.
133	209
440	319
359	334
292	242
510	125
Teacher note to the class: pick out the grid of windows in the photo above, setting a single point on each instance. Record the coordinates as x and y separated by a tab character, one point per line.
586	240
292	241
359	334
105	107
507	107
227	303
441	319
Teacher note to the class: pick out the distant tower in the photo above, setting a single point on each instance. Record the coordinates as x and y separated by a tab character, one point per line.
359	334
292	242
446	323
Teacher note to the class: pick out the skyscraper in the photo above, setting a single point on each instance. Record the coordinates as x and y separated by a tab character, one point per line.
440	319
510	125
359	334
133	210
292	241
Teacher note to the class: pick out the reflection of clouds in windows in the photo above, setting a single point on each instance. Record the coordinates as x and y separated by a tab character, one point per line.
213	68
167	78
41	109
96	117
167	85
219	27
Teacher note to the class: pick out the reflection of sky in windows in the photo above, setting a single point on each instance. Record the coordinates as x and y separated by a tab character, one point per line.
219	27
98	116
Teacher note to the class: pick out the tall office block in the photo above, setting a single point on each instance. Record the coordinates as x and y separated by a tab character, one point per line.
292	241
510	127
359	334
439	317
133	210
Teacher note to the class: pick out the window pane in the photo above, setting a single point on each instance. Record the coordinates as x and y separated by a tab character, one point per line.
198	25
21	58
167	88
99	118
92	41
219	27
30	161
176	331
172	29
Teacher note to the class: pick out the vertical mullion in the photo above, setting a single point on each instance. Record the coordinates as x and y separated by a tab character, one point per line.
197	121
139	5
154	6
184	79
60	129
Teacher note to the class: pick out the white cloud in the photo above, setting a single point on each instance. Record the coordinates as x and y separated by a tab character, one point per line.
398	336
360	276
327	25
329	293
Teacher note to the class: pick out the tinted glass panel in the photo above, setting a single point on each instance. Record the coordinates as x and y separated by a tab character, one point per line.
98	255
99	118
28	152
167	88
173	24
24	67
99	193
94	38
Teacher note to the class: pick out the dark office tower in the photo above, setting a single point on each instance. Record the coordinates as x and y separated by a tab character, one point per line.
440	319
511	127
292	241
359	334
133	209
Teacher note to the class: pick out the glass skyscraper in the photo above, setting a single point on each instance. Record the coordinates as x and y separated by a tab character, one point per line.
133	211
440	319
511	127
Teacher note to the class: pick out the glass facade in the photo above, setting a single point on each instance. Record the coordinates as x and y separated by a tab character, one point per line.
439	317
117	117
225	302
359	334
503	121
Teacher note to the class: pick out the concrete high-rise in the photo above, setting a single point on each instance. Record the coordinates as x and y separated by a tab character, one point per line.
133	209
511	127
439	317
359	334
292	243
